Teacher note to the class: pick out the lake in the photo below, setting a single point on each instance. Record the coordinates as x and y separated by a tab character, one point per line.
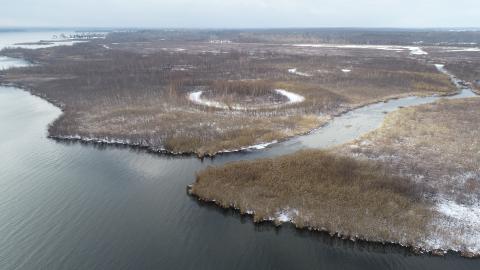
85	206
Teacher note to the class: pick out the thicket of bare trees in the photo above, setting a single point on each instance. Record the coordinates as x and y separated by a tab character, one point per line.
326	35
467	70
137	92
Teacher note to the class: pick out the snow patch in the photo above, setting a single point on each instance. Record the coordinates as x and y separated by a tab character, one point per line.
260	146
346	70
440	67
196	97
286	215
468	214
296	72
457	228
182	67
463	177
414	50
464	50
292	97
220	41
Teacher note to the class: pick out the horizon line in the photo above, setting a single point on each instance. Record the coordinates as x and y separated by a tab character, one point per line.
467	28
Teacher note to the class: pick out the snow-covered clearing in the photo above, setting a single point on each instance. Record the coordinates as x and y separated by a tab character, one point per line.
346	70
414	50
196	97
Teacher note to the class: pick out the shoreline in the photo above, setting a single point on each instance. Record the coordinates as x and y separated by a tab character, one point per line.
418	248
162	151
347	237
160	177
160	148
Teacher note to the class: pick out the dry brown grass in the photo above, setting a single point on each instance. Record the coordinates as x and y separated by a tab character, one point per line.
330	192
365	85
438	143
137	91
468	70
399	183
247	131
182	130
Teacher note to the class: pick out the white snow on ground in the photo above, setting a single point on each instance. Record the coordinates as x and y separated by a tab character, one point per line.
464	50
346	70
440	67
457	228
220	41
352	46
196	97
182	67
260	146
462	178
286	215
468	214
106	47
296	72
292	97
414	50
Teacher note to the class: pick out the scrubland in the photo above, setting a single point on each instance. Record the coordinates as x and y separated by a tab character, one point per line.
414	181
322	191
438	144
132	88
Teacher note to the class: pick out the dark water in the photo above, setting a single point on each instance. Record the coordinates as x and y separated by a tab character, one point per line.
74	206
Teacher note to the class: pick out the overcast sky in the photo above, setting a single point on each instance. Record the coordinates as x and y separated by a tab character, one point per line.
240	13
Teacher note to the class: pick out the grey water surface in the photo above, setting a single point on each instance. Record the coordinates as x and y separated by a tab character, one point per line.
83	206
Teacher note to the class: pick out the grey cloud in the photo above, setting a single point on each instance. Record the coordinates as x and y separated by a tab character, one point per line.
246	13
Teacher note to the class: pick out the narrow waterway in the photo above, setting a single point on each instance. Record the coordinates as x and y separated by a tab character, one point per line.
84	206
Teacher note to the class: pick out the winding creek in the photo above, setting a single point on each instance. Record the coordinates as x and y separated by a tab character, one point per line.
84	206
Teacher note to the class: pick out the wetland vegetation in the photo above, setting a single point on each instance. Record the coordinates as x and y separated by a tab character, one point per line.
414	181
132	87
